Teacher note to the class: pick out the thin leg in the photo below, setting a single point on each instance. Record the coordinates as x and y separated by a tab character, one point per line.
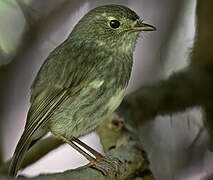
95	153
93	161
76	147
99	157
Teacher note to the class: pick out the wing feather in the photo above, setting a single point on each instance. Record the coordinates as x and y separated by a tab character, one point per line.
49	90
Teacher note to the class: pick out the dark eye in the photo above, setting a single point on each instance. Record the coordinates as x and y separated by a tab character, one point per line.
114	24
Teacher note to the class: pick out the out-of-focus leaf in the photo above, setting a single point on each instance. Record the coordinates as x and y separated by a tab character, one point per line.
11	27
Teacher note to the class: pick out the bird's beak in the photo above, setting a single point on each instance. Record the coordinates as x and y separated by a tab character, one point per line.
144	27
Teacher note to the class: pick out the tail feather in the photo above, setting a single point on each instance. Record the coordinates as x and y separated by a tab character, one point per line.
17	159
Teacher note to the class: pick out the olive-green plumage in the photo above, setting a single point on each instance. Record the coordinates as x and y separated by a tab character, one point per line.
84	79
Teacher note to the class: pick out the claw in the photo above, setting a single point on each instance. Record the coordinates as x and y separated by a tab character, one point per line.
106	165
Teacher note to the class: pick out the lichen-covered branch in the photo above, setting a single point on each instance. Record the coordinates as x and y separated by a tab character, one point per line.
119	142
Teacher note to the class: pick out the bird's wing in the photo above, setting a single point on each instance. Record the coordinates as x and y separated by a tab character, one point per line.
40	115
61	76
50	89
40	112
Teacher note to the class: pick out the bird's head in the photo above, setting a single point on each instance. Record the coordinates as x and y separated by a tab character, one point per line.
110	26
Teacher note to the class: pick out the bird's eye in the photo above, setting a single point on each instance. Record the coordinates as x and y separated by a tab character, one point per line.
114	24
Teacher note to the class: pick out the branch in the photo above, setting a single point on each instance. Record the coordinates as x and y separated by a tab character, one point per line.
118	141
185	89
182	90
190	87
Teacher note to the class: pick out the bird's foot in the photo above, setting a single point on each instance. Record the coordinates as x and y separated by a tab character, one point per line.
100	162
106	165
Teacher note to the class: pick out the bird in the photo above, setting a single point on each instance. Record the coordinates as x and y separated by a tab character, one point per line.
83	80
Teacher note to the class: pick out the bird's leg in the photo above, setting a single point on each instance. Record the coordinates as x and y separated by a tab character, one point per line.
99	157
76	147
88	148
95	162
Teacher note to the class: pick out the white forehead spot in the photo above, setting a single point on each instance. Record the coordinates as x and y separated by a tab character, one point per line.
111	18
96	84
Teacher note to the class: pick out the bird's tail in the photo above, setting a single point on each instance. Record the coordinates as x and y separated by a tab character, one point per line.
18	157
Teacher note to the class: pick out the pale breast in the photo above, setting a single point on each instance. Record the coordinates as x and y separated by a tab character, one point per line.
93	105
